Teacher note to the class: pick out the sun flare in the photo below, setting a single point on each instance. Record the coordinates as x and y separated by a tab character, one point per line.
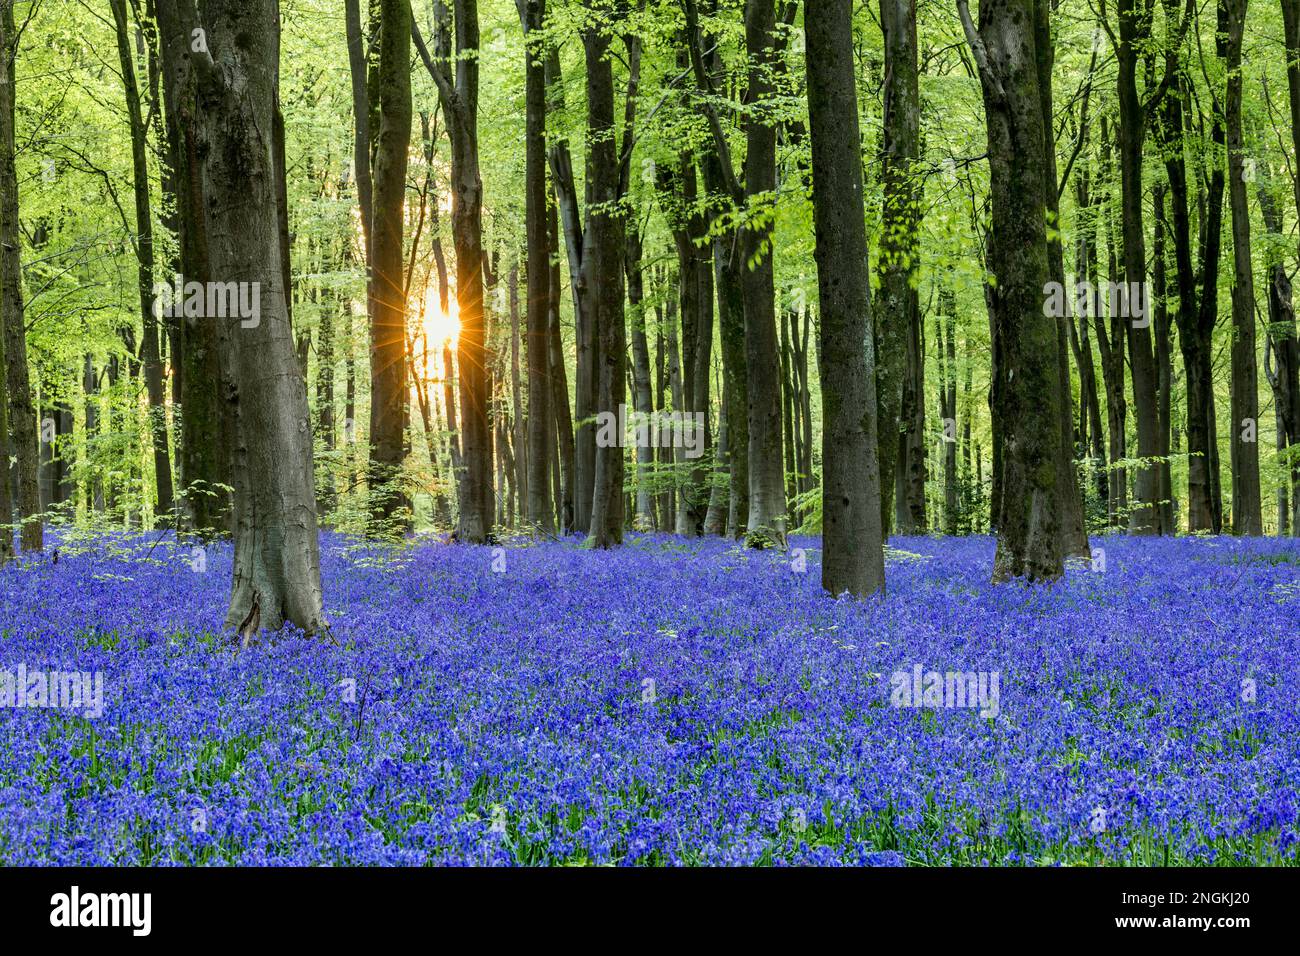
441	326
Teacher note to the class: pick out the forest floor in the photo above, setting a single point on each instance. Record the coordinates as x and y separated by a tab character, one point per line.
670	702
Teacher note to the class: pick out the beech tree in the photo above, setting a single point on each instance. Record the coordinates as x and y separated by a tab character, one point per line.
1026	393
389	401
616	203
853	557
21	410
277	561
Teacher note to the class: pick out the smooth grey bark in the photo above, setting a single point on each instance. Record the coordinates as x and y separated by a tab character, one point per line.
1291	43
518	438
1110	344
325	431
6	487
947	322
277	563
853	558
689	227
727	266
715	519
1027	392
204	431
910	472
1086	268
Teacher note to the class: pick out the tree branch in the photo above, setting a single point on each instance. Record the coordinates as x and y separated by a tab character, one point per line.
988	76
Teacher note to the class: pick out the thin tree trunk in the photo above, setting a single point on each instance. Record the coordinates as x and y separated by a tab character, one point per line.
460	105
1291	43
642	397
602	267
584	386
898	314
540	426
22	412
1247	514
1285	377
153	370
715	520
566	488
1134	31
948	326
1074	536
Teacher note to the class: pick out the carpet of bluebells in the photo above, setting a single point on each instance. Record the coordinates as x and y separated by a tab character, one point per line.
672	702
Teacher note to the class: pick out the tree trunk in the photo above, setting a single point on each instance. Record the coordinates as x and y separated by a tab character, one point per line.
1247	515
1134	31
1074	536
540	427
6	488
460	105
1195	319
898	314
948	328
1086	267
602	265
22	413
1164	361
325	501
727	268
1285	377
388	378
1291	43
910	473
642	397
277	565
767	517
584	386
1111	345
1027	395
205	432
853	557
566	487
153	370
715	520
518	441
